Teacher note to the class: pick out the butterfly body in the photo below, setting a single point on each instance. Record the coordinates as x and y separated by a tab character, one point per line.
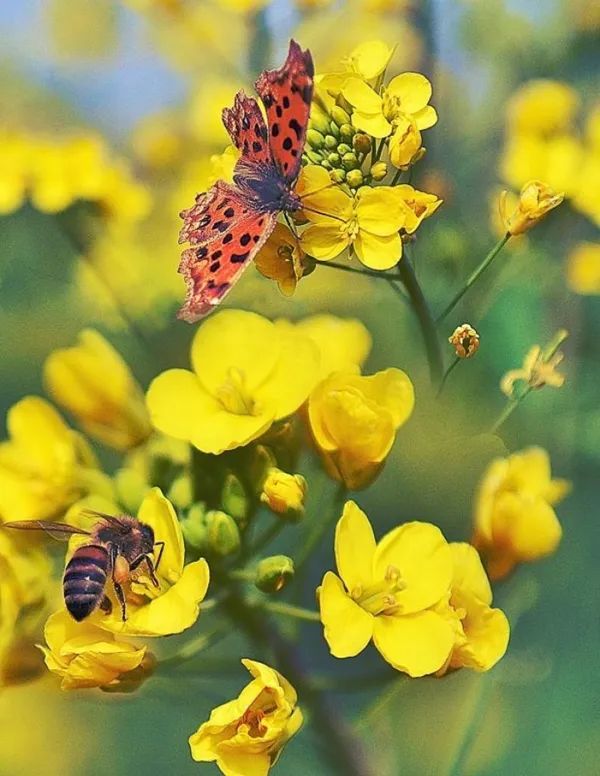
229	224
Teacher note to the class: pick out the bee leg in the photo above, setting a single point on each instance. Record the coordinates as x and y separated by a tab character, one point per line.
149	565
106	605
121	597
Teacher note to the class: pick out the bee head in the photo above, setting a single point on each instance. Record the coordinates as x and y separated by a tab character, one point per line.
147	538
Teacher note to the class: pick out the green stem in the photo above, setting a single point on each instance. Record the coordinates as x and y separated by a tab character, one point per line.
475	275
289	610
396	177
511	406
426	322
319	529
195	646
447	373
356	270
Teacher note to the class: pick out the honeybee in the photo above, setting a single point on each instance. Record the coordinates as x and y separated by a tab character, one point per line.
118	545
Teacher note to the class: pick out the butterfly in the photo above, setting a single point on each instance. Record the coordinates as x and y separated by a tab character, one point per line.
229	224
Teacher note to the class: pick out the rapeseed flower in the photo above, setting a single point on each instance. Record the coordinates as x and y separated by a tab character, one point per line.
539	368
248	373
536	200
283	260
284	493
583	268
344	343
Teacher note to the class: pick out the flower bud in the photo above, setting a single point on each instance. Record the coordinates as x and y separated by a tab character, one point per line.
347	132
314	156
378	171
315	139
344	148
326	164
535	201
338	176
284	494
349	161
334	129
319	120
340	116
223	535
331	142
465	341
334	159
361	143
193	527
354	179
234	499
180	492
272	574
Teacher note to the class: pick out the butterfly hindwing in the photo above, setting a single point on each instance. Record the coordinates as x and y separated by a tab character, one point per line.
247	129
224	233
286	94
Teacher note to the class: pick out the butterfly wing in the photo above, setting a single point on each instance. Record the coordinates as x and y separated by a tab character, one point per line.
225	232
286	94
247	129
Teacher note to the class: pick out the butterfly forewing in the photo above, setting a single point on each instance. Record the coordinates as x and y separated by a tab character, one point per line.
247	129
287	94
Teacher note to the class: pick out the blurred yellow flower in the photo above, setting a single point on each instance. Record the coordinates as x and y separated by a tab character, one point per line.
388	592
354	419
206	104
482	633
170	608
542	107
94	383
284	493
344	343
555	160
417	205
406	96
282	259
244	737
535	201
248	373
539	368
84	655
369	221
44	465
514	518
583	268
13	171
244	6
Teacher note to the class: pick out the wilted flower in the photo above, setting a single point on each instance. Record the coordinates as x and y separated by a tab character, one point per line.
354	419
84	655
282	259
388	592
464	340
284	493
583	268
514	518
246	735
44	465
539	368
94	383
417	206
248	373
535	201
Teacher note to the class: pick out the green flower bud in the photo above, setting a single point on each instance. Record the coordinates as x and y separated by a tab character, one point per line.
272	574
334	159
347	132
340	116
193	527
319	120
180	493
315	139
131	487
361	143
235	500
314	156
378	171
349	161
354	179
334	129
223	535
331	142
260	461
344	148
327	165
338	176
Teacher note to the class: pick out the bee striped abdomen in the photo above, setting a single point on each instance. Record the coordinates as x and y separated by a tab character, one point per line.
85	579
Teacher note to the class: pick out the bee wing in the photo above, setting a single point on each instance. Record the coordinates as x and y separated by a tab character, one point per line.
60	531
104	516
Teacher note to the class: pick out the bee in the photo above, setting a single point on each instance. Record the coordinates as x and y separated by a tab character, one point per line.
118	545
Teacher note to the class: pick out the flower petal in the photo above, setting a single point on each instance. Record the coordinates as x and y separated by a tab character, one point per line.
469	574
426	117
417	644
378	252
528	527
347	627
393	389
354	547
374	124
422	556
487	632
237	762
157	512
323	242
361	96
379	210
413	89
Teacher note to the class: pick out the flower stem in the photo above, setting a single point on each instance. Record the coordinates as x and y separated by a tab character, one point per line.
289	610
262	541
426	322
475	275
508	410
196	646
319	528
447	373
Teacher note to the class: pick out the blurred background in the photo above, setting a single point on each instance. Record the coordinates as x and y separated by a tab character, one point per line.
109	117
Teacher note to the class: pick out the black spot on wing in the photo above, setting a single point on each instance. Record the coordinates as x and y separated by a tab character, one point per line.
239	258
245	239
275	130
286	101
296	128
227	239
229	213
287	144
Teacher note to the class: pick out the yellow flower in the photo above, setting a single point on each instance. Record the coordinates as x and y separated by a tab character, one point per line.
282	259
535	201
344	343
94	383
406	96
482	633
170	608
388	592
465	341
554	159
44	465
542	107
417	205
369	221
369	60
245	736
284	493
406	144
248	373
354	419
13	171
514	518
539	368
84	655
583	268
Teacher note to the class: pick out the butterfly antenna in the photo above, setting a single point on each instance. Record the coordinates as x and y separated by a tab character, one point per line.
321	213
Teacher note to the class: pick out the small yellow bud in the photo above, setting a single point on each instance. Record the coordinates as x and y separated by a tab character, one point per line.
315	139
349	161
284	493
193	527
361	143
314	156
535	201
338	176
347	132
234	499
354	178
319	120
326	164
378	171
223	535
340	116
331	142
334	159
344	148
465	341
334	129
272	574
180	492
